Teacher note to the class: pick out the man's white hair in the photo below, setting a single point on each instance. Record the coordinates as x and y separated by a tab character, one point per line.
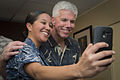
64	5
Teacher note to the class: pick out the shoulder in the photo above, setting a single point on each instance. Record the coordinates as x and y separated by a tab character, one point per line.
26	48
74	44
73	41
27	52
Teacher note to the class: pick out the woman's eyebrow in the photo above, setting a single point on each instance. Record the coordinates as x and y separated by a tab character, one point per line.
43	20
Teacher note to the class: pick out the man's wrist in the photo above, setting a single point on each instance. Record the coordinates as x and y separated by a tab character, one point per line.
2	59
77	70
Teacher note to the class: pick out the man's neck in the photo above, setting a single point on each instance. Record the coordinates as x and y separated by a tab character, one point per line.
59	40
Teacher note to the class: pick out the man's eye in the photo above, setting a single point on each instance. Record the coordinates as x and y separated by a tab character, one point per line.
72	21
64	20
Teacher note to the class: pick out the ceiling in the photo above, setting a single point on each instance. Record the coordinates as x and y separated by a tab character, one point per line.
16	10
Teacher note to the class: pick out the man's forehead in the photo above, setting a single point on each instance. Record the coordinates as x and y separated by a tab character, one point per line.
66	11
67	14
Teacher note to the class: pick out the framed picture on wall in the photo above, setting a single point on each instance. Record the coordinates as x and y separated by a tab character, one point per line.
84	37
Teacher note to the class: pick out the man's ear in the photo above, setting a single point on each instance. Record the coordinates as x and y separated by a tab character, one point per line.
53	21
29	26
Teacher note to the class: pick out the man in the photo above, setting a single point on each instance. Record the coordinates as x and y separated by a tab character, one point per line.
62	50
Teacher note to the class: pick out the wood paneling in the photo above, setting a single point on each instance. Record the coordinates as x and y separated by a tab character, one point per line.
12	30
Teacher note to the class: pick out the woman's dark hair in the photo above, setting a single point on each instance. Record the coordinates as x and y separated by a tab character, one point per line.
31	18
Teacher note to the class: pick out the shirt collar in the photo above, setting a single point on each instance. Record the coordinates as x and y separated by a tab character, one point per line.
53	43
30	42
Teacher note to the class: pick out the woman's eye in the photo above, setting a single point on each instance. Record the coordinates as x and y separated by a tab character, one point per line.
43	23
51	25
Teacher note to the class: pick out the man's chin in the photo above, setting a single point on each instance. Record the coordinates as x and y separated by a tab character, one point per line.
64	36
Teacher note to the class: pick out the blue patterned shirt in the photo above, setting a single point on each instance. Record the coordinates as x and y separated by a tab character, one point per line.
29	53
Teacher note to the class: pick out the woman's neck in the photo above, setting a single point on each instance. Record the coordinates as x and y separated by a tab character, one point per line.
36	42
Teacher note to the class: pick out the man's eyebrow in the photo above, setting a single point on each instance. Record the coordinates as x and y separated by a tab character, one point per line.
73	20
68	19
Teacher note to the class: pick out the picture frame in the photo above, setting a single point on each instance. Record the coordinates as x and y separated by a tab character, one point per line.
84	37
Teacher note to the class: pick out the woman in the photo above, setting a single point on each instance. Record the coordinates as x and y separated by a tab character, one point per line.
30	64
38	30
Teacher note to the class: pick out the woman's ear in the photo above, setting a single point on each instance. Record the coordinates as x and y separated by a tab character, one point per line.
29	26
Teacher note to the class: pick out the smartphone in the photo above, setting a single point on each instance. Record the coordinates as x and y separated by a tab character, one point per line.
103	34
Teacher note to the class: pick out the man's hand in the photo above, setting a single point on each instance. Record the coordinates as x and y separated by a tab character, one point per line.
91	63
9	50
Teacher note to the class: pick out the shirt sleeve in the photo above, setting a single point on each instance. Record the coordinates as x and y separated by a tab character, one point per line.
27	55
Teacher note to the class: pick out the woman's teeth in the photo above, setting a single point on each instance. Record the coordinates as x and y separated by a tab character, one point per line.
46	33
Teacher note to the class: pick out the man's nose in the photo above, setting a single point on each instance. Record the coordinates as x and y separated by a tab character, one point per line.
68	24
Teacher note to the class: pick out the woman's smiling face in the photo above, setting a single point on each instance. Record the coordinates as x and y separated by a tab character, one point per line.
40	29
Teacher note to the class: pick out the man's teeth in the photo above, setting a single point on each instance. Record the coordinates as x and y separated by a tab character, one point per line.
66	29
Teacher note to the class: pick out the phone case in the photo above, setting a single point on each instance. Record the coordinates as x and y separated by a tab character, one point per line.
103	34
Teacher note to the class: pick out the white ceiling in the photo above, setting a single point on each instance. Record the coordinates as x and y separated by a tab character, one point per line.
16	10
